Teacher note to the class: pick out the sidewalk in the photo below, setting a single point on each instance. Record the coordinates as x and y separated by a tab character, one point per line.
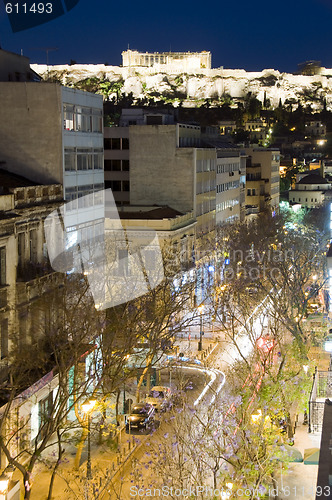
299	481
106	461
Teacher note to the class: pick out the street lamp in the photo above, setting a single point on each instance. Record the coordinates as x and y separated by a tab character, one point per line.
4	483
87	408
201	333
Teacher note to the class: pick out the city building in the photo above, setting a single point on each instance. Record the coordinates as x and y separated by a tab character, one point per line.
226	127
27	281
175	231
258	130
16	68
54	135
230	186
311	191
262	180
314	128
182	61
180	171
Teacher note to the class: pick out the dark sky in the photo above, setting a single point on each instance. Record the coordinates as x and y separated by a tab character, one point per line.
240	34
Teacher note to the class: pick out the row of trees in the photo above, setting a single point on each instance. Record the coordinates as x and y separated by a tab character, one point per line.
237	442
89	353
81	353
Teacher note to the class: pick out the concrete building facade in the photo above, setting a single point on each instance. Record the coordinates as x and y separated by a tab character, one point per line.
16	68
165	170
53	134
311	191
262	180
230	186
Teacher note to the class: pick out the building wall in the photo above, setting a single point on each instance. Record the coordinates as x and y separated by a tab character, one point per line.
161	173
31	131
116	162
23	261
164	174
15	68
309	199
228	187
34	134
268	186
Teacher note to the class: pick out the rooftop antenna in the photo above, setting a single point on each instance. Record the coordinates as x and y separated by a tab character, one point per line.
45	49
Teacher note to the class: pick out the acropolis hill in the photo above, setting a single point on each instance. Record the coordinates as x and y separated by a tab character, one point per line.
187	78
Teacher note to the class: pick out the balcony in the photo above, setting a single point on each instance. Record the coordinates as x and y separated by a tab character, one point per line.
252	210
31	270
321	390
30	290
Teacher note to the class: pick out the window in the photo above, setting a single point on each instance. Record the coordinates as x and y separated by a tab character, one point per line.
33	245
44	413
114	185
249	192
125	186
154	120
125	165
4	339
116	165
82	118
20	249
70	159
125	143
2	265
123	262
115	143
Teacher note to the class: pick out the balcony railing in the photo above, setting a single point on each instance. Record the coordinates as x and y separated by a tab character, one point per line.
30	290
321	390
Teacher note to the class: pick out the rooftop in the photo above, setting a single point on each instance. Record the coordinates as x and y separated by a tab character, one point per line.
10	181
313	179
153	212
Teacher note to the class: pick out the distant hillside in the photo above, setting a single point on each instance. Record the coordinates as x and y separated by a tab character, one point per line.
192	90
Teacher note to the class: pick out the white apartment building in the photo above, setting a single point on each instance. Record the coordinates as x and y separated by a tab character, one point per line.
53	134
230	186
262	180
311	191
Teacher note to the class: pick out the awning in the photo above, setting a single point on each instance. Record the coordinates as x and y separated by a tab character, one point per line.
311	456
293	453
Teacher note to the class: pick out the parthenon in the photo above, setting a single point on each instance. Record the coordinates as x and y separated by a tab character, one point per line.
170	60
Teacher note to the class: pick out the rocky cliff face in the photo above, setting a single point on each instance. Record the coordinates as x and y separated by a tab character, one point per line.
193	89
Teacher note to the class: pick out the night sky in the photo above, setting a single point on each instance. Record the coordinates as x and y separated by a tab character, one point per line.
249	35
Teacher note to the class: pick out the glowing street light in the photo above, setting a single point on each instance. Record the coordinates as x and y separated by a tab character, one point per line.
87	408
4	483
255	417
200	342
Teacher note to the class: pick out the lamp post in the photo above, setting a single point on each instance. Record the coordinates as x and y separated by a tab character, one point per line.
201	333
87	407
4	483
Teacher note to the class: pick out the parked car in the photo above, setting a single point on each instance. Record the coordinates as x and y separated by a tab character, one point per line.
160	398
142	415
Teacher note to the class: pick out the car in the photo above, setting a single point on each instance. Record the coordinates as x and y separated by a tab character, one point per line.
160	398
141	417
